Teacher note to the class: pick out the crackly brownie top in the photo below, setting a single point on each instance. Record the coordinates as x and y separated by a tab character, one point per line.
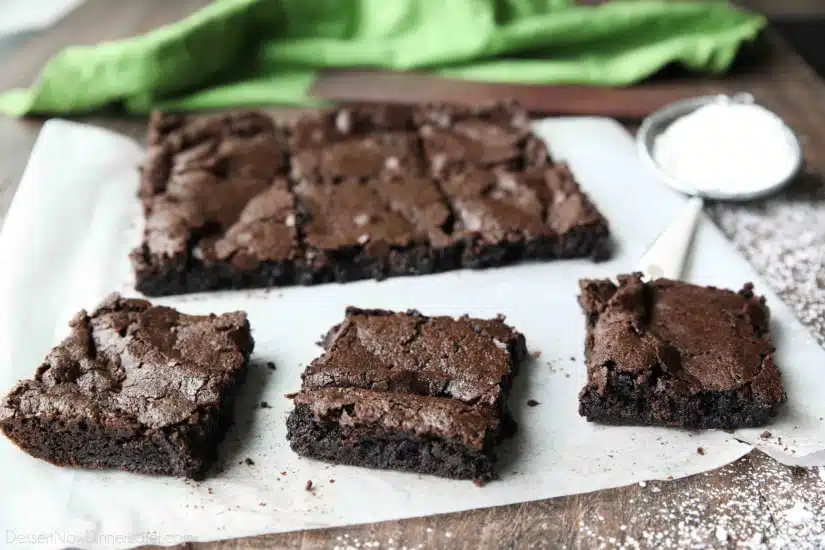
241	189
380	154
455	137
706	338
214	189
413	414
466	359
372	214
131	364
531	203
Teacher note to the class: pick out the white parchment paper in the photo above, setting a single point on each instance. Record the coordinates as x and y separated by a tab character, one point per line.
65	245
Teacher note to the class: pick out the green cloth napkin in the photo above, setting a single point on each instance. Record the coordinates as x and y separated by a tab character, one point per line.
236	53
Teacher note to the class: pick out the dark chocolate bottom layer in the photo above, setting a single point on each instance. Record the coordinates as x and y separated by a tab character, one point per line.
385	450
627	402
185	450
358	265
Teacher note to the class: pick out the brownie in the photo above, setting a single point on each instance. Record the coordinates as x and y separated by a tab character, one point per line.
374	229
217	206
409	392
669	353
133	387
237	200
502	217
457	137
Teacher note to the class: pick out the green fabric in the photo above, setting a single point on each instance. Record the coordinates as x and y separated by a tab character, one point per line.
236	53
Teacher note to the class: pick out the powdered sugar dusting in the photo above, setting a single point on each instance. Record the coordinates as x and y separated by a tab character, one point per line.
784	238
763	506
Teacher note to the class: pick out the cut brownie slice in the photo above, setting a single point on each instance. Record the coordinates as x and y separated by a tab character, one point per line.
218	211
502	217
369	156
355	142
396	431
669	353
499	136
133	387
409	392
373	229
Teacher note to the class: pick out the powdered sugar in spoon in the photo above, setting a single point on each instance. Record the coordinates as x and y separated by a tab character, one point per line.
714	147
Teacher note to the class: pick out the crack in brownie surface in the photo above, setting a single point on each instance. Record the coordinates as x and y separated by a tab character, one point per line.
672	353
410	392
471	360
237	201
133	387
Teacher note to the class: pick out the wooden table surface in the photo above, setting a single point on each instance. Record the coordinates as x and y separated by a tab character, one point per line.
755	501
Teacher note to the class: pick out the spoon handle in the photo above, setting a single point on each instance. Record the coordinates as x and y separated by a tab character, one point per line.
666	258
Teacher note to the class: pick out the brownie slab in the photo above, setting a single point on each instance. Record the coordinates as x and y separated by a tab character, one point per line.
669	353
133	387
409	392
236	200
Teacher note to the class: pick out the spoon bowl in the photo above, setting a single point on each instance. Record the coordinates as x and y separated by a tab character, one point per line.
657	123
666	257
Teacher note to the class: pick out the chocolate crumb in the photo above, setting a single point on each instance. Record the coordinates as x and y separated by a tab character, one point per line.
532	403
283	473
700	451
332	481
262	504
270	365
572	358
479	482
291	395
536	354
308	485
765	435
265	405
249	462
209	490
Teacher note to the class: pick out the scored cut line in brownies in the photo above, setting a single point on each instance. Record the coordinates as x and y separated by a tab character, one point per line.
134	387
410	392
237	201
670	353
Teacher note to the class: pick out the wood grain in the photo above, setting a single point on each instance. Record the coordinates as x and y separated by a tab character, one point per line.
542	100
630	517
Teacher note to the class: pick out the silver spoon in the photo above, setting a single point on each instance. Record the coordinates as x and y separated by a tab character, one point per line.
666	257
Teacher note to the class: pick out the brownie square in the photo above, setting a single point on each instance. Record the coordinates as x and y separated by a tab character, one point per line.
373	229
502	217
355	142
218	211
668	353
133	387
368	156
409	392
499	136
